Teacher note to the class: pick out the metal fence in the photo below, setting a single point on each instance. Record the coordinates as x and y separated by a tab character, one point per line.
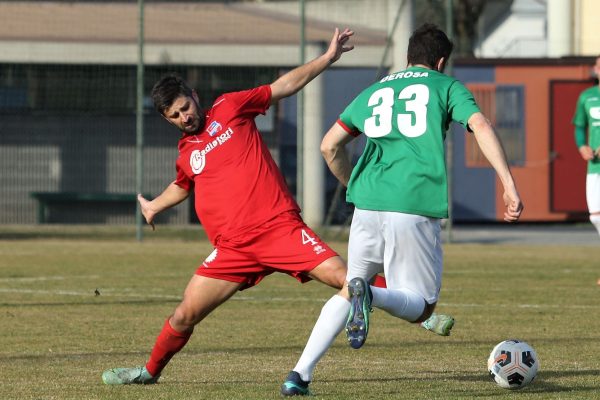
71	129
68	90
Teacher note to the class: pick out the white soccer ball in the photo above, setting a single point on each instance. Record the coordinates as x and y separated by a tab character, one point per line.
513	364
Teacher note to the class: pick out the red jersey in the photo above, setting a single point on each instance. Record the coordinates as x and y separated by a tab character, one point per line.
236	183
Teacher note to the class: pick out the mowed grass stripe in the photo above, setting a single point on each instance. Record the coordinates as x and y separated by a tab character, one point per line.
544	295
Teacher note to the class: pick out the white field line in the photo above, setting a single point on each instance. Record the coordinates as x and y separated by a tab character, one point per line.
277	299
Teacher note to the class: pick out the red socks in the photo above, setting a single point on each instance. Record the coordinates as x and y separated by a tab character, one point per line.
168	343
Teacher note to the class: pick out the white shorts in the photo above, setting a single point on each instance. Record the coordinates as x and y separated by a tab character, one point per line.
592	192
407	248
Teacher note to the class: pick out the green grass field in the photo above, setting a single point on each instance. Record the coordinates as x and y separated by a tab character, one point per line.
57	335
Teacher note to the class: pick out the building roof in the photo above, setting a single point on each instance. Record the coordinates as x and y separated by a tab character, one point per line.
184	33
223	23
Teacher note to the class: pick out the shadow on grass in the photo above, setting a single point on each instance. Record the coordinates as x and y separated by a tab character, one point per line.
99	232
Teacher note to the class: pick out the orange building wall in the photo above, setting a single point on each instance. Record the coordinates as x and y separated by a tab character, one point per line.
533	180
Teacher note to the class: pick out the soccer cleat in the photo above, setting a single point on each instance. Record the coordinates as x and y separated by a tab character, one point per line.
440	324
128	376
357	324
294	385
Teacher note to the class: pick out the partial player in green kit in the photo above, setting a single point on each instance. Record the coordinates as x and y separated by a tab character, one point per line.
587	120
400	193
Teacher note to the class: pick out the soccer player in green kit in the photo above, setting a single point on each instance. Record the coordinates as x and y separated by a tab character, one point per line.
587	118
399	191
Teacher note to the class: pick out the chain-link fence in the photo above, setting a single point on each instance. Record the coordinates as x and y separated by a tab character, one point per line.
68	91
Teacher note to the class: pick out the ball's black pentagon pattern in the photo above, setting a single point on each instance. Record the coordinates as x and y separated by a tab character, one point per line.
515	379
527	358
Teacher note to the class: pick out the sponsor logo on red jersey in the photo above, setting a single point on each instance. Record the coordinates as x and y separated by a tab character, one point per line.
214	128
198	157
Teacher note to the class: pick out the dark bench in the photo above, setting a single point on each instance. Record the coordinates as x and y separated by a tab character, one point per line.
46	199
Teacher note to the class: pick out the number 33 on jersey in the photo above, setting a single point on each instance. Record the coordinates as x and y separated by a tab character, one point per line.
405	116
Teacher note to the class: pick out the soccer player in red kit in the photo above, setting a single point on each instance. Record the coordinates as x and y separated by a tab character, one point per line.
241	199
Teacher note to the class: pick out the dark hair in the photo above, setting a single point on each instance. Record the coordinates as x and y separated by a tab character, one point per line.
167	90
427	45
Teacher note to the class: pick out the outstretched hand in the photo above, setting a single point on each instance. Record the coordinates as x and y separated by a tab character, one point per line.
338	44
147	211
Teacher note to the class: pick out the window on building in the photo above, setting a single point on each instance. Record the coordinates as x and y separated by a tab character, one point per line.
503	105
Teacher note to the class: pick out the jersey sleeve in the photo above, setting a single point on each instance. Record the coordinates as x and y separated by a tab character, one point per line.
253	101
461	104
346	122
182	180
580	117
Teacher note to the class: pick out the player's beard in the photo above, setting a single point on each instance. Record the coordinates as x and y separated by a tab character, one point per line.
194	126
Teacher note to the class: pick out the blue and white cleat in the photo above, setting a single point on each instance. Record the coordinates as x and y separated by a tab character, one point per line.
357	325
295	386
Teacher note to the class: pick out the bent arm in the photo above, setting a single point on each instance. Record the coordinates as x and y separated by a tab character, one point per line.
333	149
170	197
492	150
291	82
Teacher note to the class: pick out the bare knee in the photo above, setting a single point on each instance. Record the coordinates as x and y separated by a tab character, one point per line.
185	318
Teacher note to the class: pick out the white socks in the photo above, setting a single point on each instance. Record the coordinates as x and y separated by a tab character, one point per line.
401	303
595	220
330	323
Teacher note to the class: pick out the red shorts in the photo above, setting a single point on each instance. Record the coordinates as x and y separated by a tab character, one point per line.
283	244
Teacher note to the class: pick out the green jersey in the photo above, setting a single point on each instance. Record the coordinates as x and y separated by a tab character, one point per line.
587	115
405	117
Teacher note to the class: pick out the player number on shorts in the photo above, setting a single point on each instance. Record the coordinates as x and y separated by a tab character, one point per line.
413	123
306	238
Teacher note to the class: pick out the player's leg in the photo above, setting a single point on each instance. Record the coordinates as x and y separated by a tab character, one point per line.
592	192
413	267
366	248
331	272
202	295
365	245
595	220
329	324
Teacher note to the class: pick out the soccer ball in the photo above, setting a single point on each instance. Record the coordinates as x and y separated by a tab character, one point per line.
513	364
